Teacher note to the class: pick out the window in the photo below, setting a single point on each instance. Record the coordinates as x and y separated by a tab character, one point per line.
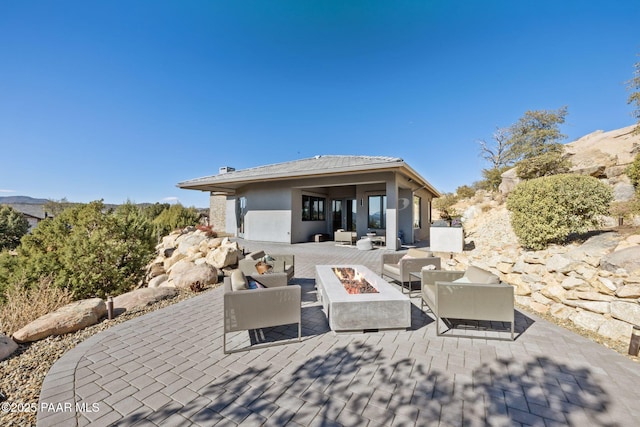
313	208
377	212
417	212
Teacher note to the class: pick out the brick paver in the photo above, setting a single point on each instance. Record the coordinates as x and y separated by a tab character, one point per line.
167	368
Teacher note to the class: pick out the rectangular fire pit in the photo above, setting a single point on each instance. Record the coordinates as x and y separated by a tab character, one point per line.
378	306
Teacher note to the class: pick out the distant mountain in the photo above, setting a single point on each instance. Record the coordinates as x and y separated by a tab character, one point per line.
24	200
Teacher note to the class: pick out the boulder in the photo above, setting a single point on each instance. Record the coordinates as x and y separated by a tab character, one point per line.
224	256
626	311
70	318
602	307
573	283
156	270
509	181
627	259
190	243
593	296
204	273
595	248
538	307
561	264
623	191
560	311
628	291
180	267
615	330
141	298
588	320
554	292
7	346
169	262
605	285
158	280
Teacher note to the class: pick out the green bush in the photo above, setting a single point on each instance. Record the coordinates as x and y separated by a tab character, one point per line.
549	209
465	192
492	178
176	216
550	163
13	226
88	250
633	171
444	205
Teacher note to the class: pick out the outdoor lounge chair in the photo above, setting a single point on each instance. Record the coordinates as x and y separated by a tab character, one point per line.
399	266
345	236
280	263
253	309
474	294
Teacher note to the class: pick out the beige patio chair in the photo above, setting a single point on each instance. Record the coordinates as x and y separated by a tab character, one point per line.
474	294
399	266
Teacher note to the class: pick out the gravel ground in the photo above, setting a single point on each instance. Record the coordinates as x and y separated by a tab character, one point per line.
22	374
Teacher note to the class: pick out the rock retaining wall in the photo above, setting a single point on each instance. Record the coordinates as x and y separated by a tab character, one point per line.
594	284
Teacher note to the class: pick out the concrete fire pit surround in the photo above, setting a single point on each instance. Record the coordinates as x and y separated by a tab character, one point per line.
387	309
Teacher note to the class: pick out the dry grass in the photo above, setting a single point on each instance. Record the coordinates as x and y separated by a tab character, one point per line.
24	305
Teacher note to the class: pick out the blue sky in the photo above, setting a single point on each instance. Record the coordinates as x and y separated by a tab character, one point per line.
120	100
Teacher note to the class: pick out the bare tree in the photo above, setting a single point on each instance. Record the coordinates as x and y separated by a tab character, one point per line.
497	151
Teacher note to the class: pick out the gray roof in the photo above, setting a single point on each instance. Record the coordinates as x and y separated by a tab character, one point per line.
325	164
32	210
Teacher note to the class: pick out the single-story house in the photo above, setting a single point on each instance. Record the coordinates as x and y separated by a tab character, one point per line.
294	201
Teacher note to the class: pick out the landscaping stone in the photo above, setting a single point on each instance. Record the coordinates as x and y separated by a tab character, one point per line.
628	291
224	256
601	307
588	320
626	311
627	259
204	273
158	280
70	318
141	298
7	346
555	292
615	330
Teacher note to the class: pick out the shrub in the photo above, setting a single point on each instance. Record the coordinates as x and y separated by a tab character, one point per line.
549	209
24	305
88	250
465	192
633	171
13	226
207	230
492	178
444	205
176	216
549	163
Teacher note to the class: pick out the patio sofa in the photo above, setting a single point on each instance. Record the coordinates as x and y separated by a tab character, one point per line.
399	266
279	263
474	294
345	236
248	309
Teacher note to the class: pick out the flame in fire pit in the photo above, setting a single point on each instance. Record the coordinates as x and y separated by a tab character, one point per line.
353	281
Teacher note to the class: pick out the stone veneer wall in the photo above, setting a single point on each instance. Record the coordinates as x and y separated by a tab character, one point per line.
217	212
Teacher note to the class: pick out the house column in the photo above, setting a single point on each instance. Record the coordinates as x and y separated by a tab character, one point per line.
392	213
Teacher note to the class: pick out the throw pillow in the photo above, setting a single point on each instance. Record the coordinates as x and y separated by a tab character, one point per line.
254	284
238	281
262	267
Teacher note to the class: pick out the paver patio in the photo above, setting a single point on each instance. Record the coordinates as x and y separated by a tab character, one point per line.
167	368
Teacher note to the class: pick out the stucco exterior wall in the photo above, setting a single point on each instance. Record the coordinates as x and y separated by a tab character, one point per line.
268	215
